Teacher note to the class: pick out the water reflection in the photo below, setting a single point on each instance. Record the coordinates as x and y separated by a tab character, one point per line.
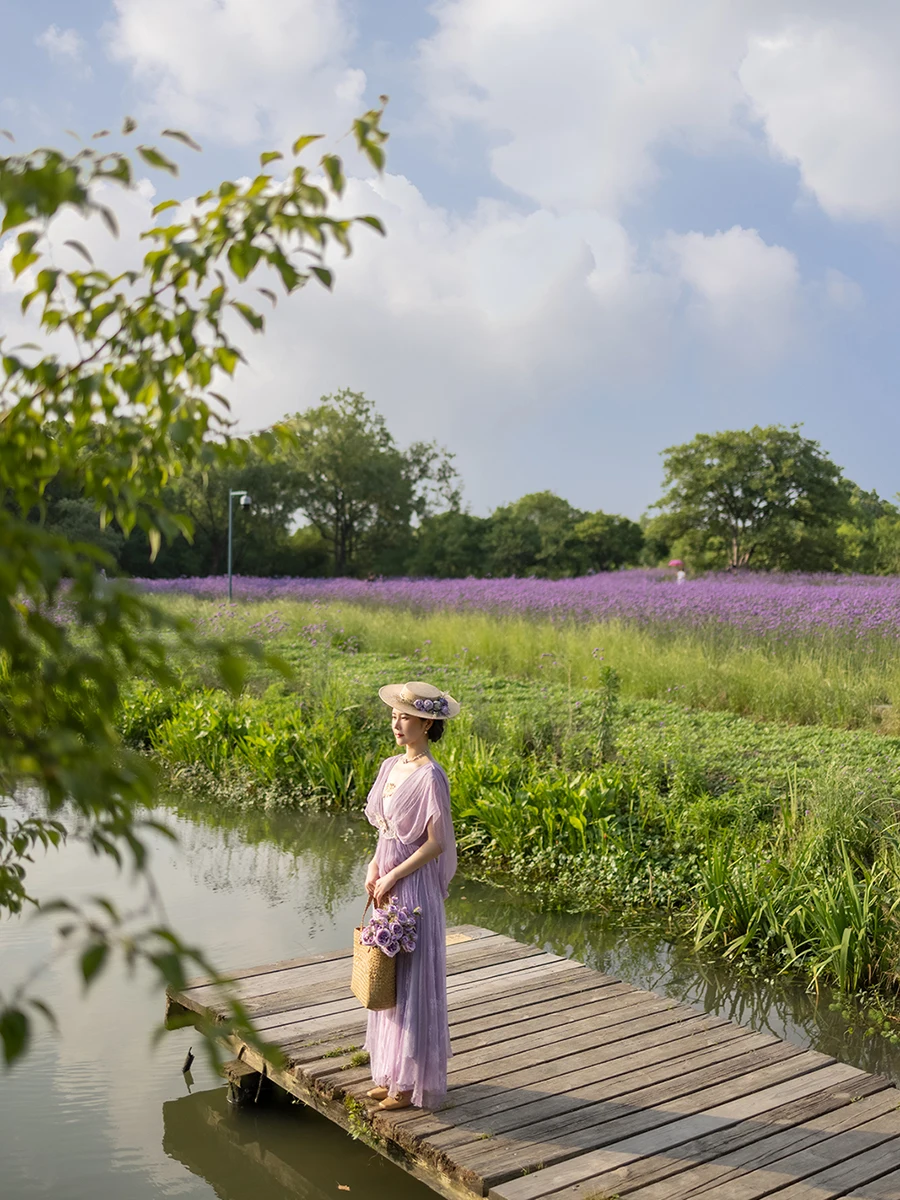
280	1152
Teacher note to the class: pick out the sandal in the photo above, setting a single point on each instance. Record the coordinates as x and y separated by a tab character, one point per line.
378	1093
392	1103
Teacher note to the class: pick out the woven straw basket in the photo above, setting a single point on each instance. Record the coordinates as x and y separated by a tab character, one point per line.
373	980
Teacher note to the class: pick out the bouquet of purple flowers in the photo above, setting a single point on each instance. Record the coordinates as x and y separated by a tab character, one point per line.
391	929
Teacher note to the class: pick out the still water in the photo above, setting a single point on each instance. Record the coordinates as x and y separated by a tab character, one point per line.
96	1113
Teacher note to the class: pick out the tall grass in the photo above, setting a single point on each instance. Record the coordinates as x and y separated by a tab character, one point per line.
826	677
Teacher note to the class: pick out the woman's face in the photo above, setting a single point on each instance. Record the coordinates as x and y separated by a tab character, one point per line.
408	730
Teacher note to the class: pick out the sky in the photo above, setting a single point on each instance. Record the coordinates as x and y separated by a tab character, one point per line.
609	227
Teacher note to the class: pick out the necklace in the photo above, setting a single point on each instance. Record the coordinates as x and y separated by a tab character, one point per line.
424	754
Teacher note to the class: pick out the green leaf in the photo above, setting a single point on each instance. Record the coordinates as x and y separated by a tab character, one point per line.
108	217
129	125
14	1033
100	133
233	671
155	538
7	134
92	961
269	295
46	1011
333	168
153	158
26	255
302	142
242	258
374	222
323	275
80	248
157	209
269	156
181	136
250	315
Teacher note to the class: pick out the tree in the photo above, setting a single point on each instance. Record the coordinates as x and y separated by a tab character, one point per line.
604	542
533	536
357	487
124	412
745	497
868	539
262	543
450	545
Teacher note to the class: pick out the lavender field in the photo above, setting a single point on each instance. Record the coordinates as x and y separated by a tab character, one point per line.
765	606
802	649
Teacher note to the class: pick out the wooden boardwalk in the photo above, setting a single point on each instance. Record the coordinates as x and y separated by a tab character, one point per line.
568	1084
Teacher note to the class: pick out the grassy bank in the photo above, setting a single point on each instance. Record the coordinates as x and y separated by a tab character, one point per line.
827	677
774	843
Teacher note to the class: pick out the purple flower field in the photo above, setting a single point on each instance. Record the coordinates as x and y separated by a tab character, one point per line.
785	606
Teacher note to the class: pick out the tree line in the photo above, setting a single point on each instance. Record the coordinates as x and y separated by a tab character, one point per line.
338	496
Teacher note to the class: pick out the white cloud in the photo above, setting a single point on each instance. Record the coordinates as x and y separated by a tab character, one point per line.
829	99
577	95
65	46
242	70
743	293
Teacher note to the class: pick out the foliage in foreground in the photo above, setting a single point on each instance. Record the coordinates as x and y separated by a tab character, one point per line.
118	397
770	842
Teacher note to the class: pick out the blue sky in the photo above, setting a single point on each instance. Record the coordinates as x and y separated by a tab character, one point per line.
610	227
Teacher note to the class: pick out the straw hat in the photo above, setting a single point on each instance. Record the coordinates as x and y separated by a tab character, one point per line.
420	700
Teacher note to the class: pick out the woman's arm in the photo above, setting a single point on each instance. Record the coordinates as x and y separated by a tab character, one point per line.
372	876
430	849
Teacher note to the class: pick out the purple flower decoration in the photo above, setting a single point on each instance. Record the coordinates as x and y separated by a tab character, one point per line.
391	929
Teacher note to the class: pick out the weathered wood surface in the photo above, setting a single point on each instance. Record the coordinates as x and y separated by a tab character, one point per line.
568	1084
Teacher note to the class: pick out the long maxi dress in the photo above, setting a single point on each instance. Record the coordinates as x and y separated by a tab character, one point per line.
409	1045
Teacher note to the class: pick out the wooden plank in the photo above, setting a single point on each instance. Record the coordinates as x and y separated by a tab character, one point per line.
506	1093
615	1077
455	933
638	1111
336	967
650	1168
303	1020
886	1187
827	1168
702	1121
461	977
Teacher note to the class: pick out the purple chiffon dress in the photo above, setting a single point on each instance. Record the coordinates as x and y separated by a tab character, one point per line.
409	1045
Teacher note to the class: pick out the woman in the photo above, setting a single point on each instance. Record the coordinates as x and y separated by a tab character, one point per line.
415	859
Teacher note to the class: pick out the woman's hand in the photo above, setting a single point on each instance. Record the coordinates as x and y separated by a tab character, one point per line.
372	877
383	888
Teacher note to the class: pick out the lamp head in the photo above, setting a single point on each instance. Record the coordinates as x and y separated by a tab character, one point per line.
246	502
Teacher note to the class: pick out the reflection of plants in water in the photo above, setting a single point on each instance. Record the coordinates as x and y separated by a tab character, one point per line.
269	852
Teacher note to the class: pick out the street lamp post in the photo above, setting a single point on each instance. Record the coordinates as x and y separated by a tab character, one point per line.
246	502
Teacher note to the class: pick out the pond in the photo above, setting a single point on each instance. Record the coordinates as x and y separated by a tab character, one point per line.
97	1112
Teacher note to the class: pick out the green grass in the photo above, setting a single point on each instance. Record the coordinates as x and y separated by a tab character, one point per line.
823	679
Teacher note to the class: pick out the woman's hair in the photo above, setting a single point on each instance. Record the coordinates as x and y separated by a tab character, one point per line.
436	732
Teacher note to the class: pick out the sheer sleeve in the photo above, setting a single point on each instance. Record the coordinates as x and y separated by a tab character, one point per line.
372	800
427	807
439	822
